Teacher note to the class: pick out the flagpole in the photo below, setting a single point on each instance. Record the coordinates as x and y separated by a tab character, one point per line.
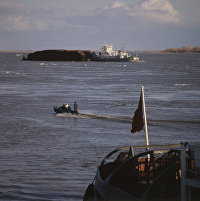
145	118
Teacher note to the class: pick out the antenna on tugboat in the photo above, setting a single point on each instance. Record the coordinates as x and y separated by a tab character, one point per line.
145	117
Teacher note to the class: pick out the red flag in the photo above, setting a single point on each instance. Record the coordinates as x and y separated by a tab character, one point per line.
138	122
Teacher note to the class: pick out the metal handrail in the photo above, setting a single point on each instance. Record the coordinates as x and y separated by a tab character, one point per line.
138	147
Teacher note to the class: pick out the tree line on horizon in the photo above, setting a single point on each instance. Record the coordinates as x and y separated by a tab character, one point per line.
187	49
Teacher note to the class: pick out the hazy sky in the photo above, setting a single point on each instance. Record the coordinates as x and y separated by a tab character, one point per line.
88	24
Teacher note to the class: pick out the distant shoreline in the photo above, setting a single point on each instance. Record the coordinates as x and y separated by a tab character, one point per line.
169	50
13	51
132	51
187	49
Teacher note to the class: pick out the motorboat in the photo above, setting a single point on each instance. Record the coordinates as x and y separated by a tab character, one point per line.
64	109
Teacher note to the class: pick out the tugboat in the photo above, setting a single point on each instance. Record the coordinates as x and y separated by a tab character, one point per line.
108	54
149	175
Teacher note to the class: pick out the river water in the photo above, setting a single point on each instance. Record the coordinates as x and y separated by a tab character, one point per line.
54	157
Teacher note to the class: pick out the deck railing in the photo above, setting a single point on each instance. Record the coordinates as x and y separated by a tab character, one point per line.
132	149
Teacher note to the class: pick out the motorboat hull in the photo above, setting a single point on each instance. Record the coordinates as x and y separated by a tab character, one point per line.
63	110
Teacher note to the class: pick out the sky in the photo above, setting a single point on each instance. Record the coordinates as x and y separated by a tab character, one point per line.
89	24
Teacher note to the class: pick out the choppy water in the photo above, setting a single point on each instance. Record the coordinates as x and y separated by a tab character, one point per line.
44	156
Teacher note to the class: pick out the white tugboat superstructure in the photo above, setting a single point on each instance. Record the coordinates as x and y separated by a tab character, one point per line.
108	54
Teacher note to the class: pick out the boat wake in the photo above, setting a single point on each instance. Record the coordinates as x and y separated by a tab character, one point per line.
96	116
174	123
162	123
48	64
